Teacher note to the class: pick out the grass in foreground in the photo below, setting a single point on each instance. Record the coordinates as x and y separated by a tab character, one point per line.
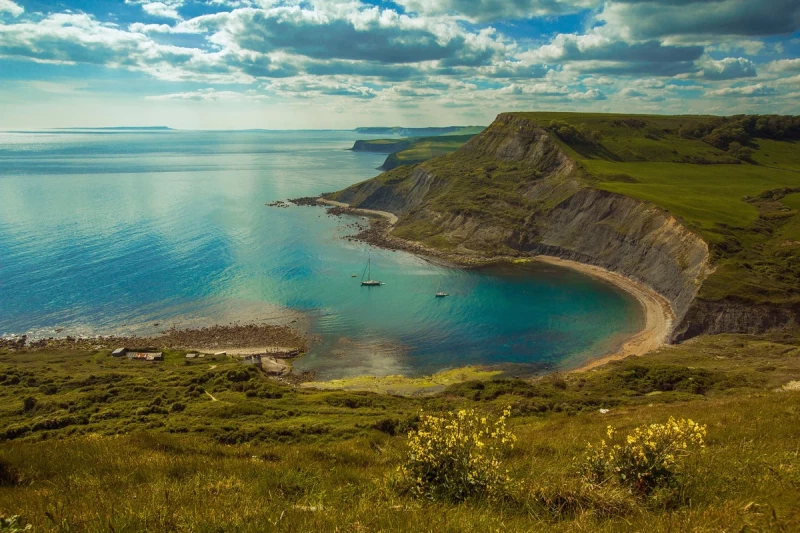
113	445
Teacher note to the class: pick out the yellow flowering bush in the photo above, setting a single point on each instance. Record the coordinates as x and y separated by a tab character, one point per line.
647	457
458	455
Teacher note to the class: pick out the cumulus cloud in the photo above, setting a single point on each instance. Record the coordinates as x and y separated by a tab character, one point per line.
494	10
362	34
444	51
160	8
590	95
80	38
212	95
7	6
749	91
649	19
599	53
728	69
784	65
308	87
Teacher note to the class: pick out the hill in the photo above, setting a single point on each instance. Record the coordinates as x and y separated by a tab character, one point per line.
90	442
412	150
702	209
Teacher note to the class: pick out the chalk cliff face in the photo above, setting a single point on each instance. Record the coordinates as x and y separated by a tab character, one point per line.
568	218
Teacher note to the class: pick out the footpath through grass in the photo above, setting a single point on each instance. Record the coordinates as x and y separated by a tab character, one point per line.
94	443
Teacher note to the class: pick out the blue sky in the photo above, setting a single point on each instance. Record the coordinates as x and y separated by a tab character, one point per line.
343	63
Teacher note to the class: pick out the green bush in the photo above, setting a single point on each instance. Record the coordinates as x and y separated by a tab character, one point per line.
649	457
458	456
29	403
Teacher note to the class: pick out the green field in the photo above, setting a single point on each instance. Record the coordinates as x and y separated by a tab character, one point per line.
753	240
425	148
115	445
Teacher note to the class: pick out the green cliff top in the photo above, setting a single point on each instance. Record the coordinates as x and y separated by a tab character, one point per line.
714	174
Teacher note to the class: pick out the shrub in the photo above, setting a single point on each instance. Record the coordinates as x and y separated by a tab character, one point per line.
29	403
649	456
457	456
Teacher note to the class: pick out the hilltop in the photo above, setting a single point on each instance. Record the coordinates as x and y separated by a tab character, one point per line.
413	150
702	209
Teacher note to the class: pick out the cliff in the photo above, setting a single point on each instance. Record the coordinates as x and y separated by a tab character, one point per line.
516	189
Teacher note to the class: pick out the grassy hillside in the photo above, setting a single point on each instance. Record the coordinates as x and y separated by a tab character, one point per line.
425	148
755	239
92	443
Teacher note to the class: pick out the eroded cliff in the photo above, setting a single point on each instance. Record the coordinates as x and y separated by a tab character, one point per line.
514	189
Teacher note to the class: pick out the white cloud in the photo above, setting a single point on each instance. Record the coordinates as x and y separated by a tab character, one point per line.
138	27
749	91
494	10
7	6
212	95
160	8
784	65
728	69
590	95
705	20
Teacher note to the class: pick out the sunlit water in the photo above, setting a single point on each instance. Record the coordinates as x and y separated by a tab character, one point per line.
112	232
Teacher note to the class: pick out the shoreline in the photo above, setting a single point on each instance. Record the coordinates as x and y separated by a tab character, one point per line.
391	217
657	312
240	338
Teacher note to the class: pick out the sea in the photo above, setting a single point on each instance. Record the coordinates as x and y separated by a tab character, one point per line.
119	232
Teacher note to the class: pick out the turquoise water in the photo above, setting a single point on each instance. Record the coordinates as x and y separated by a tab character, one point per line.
113	232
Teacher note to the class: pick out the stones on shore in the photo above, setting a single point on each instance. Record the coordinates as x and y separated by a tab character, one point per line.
212	338
304	200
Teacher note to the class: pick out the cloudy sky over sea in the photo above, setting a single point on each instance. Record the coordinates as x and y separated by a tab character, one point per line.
341	63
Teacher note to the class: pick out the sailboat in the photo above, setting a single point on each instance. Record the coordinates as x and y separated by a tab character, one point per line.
439	292
369	282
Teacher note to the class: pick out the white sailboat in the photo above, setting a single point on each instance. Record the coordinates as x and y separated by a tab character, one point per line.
369	282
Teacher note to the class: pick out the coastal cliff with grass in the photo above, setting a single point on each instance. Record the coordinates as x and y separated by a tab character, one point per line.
700	435
413	150
701	209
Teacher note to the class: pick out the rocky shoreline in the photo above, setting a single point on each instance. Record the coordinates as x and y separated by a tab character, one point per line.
233	336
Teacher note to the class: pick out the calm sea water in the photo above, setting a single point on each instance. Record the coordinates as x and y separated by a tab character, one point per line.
113	232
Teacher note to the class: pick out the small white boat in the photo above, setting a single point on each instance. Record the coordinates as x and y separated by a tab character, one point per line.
439	292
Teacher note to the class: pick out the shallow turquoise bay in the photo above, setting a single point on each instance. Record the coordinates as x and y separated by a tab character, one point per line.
112	232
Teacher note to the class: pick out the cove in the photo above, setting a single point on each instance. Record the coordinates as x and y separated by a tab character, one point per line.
111	233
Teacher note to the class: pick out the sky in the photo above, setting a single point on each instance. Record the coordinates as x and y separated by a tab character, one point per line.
290	64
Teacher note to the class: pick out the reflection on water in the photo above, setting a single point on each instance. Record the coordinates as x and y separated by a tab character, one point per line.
108	233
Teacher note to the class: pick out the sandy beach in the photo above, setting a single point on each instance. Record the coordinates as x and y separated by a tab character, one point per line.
391	217
658	314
